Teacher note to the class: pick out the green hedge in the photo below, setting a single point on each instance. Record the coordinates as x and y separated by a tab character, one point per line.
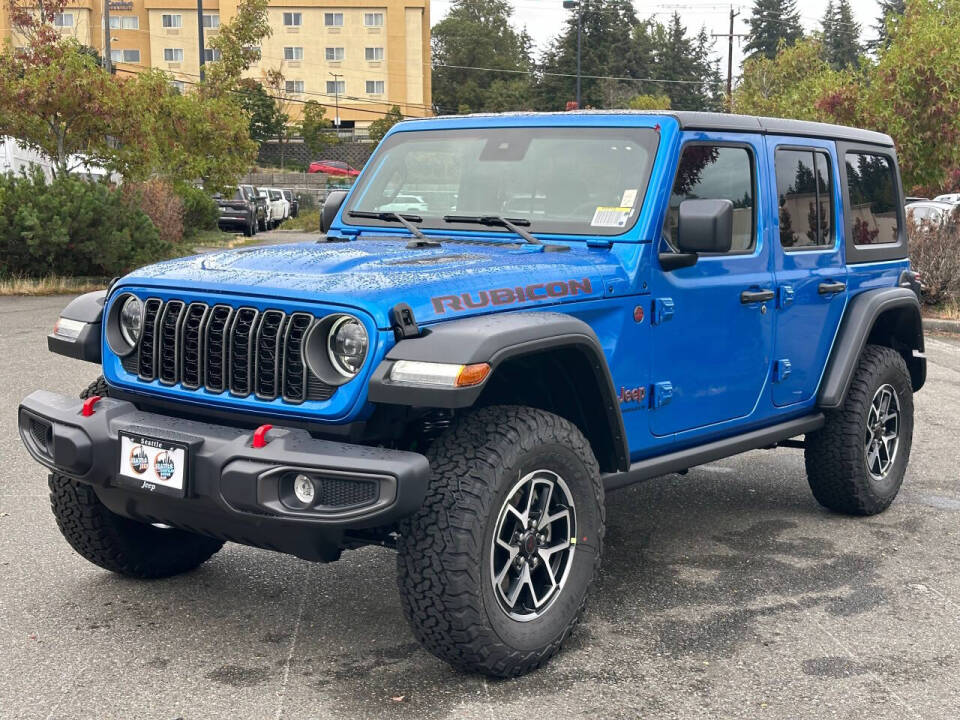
72	227
200	211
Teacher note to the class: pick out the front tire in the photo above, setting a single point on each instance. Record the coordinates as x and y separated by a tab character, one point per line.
117	543
857	460
493	569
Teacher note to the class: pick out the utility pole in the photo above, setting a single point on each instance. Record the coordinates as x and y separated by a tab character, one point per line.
730	36
203	56
107	59
570	5
336	95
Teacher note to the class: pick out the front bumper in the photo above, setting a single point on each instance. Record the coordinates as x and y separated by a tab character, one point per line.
234	491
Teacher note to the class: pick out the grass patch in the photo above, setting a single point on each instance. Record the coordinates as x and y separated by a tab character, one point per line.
51	285
949	310
212	239
308	221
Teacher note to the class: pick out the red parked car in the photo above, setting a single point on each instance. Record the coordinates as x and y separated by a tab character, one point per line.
333	167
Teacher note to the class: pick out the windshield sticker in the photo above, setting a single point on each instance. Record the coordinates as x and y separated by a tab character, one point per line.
629	198
611	216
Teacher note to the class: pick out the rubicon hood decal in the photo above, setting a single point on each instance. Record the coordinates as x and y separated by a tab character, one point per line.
511	296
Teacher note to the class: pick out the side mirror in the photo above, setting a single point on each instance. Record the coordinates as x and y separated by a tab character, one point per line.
331	206
705	226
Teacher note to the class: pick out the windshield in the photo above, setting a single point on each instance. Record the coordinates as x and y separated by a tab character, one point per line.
581	181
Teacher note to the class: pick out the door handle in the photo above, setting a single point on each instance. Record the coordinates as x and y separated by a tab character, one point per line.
831	288
749	297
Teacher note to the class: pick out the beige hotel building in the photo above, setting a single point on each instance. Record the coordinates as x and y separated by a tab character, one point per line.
368	55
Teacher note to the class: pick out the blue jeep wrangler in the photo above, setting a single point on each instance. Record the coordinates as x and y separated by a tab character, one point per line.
509	316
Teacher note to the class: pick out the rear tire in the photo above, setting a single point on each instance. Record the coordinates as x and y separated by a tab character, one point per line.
117	543
492	467
857	460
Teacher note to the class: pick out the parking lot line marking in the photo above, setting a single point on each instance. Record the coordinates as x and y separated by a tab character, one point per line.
293	642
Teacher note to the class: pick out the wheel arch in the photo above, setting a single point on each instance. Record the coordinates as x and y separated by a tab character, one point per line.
886	316
550	361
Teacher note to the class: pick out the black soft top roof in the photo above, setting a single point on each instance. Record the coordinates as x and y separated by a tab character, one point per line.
689	120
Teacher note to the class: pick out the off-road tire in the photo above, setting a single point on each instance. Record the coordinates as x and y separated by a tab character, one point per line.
117	543
444	549
835	455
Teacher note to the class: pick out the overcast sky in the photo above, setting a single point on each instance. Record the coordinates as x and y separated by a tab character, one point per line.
544	19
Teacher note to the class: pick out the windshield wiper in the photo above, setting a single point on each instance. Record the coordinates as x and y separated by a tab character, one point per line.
405	220
512	224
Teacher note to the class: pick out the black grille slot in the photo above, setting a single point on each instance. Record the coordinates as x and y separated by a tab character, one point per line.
168	342
42	435
215	344
268	352
191	373
219	348
148	344
337	493
294	371
241	351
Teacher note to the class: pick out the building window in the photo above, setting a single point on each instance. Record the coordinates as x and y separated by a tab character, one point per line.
211	21
178	85
374	87
333	19
336	87
804	198
292	19
124	22
125	56
294	86
63	20
373	19
211	54
171	21
293	53
254	53
173	55
373	54
334	54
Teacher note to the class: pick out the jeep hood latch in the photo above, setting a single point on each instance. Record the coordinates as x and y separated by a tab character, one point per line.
403	322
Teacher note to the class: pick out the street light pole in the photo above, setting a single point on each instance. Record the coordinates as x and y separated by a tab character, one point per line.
107	52
203	50
336	95
570	5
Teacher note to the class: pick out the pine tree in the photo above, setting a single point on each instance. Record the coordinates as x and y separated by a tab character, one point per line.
890	12
687	60
841	36
772	22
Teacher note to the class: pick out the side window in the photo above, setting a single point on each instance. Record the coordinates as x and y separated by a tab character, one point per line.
871	182
805	198
716	172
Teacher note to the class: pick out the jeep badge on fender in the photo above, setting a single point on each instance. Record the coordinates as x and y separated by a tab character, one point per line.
574	303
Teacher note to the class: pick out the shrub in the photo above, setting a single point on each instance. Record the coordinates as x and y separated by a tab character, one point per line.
200	211
935	254
72	227
161	204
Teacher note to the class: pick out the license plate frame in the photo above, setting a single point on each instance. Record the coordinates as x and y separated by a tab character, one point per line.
153	465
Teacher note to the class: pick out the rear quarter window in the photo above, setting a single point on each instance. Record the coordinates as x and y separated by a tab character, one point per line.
874	199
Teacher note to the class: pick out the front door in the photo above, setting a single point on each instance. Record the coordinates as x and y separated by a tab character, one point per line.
808	264
712	338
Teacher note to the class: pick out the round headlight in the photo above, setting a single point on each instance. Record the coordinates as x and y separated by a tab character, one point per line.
131	320
347	345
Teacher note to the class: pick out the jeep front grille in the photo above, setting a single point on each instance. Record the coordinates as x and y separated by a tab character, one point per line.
220	348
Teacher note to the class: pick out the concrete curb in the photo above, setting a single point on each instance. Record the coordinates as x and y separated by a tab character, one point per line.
944	326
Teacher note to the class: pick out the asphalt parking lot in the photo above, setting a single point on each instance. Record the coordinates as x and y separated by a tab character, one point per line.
724	593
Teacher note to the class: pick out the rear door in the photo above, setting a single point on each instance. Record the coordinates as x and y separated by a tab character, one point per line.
809	264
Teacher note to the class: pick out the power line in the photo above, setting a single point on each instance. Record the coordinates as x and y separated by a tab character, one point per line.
572	75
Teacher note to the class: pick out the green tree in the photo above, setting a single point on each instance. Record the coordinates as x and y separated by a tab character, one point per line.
276	84
239	44
693	78
478	34
841	35
890	13
771	23
649	102
261	107
614	44
380	126
315	128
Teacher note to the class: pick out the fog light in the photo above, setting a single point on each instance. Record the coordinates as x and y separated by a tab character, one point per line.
303	489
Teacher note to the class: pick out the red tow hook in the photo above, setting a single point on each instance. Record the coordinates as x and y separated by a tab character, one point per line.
260	436
88	404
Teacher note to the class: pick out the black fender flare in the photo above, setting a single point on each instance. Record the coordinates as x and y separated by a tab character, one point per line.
862	317
87	309
494	339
